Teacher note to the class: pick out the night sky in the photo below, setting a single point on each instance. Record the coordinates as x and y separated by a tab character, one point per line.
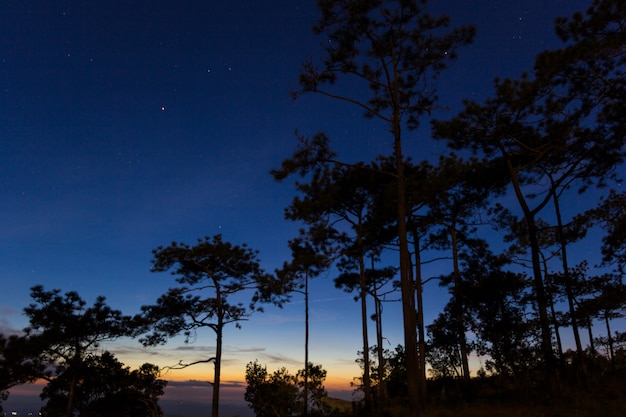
125	125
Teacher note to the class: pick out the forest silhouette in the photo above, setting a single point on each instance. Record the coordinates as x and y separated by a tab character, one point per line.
497	207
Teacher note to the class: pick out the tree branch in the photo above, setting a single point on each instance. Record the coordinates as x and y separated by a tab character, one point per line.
181	365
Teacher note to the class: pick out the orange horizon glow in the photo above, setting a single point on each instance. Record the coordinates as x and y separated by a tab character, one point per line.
334	381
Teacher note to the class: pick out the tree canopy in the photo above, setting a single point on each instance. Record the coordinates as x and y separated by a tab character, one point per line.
212	274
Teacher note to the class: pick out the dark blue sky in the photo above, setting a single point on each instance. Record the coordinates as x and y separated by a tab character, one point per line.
125	125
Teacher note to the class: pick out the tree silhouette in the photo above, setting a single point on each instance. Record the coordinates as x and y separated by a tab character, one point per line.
272	395
316	393
444	353
107	388
609	303
396	378
497	302
459	191
308	261
395	50
611	215
590	66
335	203
210	273
542	138
19	363
372	282
278	395
68	331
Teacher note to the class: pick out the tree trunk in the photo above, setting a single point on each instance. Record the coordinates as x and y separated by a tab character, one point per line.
555	322
305	389
592	345
216	380
382	383
421	342
609	338
458	312
542	309
568	289
366	357
71	395
406	285
215	407
540	294
421	334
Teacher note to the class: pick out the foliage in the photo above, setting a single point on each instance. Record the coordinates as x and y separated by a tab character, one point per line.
393	51
443	354
498	303
212	266
396	380
555	132
270	395
554	128
391	378
211	274
18	363
611	215
310	258
67	332
315	394
395	48
60	346
336	204
68	328
278	394
106	388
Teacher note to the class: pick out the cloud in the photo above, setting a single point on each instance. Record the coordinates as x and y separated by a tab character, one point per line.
196	383
190	383
233	384
128	350
163	351
344	361
5	326
196	348
7	311
246	350
281	359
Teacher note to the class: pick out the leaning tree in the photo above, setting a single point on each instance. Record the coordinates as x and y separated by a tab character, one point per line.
555	128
